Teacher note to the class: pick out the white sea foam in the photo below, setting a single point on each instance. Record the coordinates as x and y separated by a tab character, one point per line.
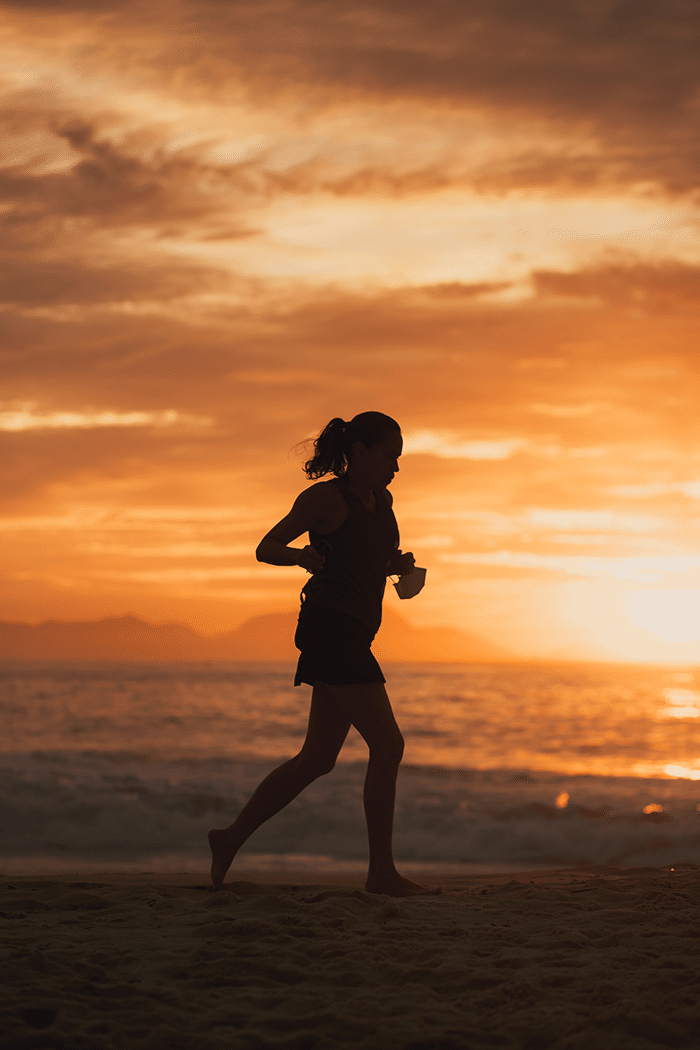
125	768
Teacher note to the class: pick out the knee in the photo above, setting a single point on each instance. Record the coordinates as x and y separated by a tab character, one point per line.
390	752
314	766
398	749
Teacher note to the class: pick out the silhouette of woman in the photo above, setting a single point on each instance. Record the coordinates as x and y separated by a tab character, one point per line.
353	547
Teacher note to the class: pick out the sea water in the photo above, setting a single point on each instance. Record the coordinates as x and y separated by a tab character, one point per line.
125	767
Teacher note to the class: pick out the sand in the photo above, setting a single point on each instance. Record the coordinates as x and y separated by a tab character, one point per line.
584	958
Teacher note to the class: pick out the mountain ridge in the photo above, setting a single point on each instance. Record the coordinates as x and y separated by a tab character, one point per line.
268	637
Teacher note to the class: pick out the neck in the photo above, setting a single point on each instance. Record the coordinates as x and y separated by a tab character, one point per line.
360	488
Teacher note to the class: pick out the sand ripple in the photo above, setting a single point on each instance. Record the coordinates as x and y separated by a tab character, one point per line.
586	959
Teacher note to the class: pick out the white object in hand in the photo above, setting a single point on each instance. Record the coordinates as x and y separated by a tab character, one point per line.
409	585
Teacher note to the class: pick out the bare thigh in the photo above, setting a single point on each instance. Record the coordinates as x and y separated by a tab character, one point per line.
367	707
326	732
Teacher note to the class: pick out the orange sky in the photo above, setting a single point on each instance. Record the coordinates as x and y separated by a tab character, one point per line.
224	223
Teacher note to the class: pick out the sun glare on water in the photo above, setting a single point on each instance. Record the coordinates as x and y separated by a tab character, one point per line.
683	703
685	772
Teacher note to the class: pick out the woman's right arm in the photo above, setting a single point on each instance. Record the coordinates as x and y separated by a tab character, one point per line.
310	508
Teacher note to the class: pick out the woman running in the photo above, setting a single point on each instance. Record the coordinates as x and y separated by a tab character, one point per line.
354	546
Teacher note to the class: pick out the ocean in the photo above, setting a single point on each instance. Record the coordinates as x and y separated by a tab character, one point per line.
125	767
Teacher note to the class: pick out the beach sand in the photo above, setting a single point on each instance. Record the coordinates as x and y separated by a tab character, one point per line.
590	957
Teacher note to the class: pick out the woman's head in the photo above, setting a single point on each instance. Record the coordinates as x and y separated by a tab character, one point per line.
336	444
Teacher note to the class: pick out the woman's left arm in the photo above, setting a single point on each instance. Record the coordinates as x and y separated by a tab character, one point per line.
399	564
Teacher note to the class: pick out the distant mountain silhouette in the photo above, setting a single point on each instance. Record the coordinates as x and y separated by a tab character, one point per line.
116	638
398	642
267	637
262	638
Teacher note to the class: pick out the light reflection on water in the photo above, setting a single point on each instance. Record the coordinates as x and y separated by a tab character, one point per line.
683	703
606	720
548	765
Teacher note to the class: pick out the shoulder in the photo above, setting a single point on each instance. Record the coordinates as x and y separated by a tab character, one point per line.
324	503
330	508
324	494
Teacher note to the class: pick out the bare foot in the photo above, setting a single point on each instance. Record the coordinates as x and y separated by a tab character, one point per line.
395	885
222	854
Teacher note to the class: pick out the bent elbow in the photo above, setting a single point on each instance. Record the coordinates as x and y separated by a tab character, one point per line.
262	552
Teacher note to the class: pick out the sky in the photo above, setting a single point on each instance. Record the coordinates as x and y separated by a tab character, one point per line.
225	223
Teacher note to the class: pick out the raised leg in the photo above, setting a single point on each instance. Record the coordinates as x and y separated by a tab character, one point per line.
327	729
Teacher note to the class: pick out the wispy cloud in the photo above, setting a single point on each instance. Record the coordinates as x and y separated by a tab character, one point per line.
170	550
448	445
691	489
28	418
643	569
594	520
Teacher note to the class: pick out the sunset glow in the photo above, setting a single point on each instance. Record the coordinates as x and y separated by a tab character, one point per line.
225	224
671	614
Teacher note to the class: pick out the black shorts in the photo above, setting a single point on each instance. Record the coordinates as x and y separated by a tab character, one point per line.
335	648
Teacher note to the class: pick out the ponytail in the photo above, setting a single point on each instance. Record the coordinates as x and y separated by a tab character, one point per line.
333	446
329	455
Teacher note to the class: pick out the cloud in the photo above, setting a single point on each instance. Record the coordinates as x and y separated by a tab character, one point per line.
61	245
448	445
606	90
171	550
91	279
26	418
485	48
122	179
658	288
641	568
596	520
569	411
691	489
269	369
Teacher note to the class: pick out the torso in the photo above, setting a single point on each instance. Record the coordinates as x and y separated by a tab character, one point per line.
356	541
337	510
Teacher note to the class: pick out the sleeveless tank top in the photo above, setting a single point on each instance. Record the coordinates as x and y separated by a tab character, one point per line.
353	577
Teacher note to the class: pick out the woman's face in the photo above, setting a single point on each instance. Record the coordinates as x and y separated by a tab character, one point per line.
377	466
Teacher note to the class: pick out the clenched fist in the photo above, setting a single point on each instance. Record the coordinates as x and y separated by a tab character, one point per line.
401	564
310	559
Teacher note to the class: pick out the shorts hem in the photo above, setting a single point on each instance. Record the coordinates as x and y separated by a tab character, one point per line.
306	680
